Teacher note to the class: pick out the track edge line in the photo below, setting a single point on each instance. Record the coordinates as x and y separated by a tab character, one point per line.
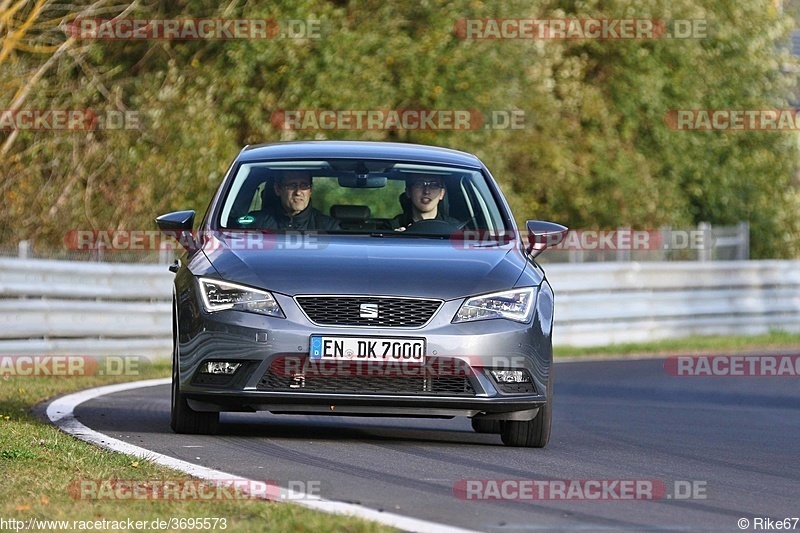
61	413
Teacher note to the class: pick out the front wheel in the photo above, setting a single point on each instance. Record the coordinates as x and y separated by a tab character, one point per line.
184	419
529	433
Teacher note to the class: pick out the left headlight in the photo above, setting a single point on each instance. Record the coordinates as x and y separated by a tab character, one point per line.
516	305
219	295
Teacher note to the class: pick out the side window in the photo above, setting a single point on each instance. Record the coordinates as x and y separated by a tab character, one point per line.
486	216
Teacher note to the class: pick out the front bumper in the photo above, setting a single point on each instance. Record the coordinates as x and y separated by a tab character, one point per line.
519	408
257	342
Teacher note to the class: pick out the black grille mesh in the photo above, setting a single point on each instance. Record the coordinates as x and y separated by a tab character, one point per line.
346	310
517	388
298	374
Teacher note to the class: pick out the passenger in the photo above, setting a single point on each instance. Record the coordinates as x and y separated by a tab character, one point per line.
424	194
293	189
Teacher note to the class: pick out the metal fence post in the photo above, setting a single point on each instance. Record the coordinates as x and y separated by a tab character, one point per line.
624	255
705	252
743	234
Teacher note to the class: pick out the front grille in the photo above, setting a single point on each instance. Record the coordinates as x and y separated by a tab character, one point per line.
517	388
215	380
347	311
299	374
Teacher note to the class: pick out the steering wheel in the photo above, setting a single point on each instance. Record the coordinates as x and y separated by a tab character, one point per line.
466	223
431	227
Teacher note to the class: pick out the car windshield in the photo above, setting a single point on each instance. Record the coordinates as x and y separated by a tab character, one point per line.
351	196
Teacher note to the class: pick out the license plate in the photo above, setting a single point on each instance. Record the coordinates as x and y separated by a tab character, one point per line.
367	349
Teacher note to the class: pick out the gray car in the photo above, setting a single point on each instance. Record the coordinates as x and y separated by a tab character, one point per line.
362	278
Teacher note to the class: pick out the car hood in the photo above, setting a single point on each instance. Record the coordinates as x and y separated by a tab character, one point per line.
392	266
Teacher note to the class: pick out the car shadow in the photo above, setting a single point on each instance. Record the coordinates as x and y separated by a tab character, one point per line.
118	419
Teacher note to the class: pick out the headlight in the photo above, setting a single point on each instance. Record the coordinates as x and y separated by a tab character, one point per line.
514	305
219	295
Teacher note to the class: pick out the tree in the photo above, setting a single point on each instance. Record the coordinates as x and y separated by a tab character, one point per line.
595	153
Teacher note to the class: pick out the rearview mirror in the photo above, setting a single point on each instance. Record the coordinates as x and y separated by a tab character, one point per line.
362	181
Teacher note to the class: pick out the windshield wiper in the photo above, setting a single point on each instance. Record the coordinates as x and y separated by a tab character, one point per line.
405	234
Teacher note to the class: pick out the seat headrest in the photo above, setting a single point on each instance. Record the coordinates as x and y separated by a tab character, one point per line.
269	200
358	213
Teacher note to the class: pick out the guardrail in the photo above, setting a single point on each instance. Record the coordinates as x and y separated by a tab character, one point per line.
612	303
61	307
79	308
702	243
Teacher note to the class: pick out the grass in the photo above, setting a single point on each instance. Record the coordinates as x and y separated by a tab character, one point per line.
41	468
774	340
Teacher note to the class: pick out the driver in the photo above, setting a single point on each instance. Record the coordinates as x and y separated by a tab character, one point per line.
295	212
424	193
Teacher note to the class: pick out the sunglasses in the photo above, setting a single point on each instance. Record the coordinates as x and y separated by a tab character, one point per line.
432	185
302	186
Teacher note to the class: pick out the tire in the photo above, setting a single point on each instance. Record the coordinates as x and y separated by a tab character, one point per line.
486	426
529	433
184	419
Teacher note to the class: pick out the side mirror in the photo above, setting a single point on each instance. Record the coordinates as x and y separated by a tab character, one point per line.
542	235
179	226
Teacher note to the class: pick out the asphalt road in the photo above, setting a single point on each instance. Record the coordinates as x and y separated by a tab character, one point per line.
732	444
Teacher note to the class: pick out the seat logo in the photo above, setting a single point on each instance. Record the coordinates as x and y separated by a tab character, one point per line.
368	311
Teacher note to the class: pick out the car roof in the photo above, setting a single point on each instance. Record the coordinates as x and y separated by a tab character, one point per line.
359	150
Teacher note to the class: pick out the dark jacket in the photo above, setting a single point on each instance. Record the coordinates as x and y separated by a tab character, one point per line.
404	220
307	219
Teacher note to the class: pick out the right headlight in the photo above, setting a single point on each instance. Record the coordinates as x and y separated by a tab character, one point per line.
516	305
220	295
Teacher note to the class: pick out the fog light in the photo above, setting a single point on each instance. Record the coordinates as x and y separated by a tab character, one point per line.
219	367
511	376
